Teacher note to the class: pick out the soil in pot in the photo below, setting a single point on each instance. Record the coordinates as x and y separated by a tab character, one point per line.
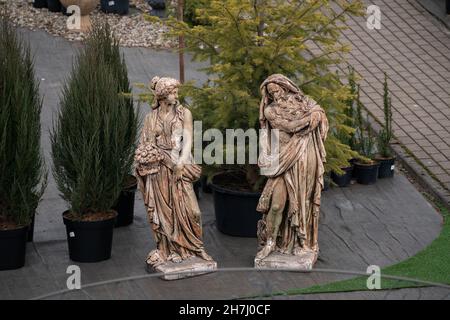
90	238
387	167
343	180
125	203
40	4
13	244
366	173
54	5
235	205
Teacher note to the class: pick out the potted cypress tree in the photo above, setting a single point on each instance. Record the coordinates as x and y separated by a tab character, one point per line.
107	46
91	151
22	178
346	135
366	167
385	156
245	42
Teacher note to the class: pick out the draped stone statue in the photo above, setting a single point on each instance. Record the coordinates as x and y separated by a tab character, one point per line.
290	201
166	172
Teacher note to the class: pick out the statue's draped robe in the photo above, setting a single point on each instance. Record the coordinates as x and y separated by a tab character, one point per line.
301	168
172	206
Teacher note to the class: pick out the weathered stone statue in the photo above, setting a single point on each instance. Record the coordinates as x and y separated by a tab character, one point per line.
290	201
165	172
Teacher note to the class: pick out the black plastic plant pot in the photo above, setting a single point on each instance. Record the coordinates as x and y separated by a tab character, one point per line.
30	236
197	187
366	173
89	241
326	182
13	245
343	180
235	211
125	205
157	4
387	167
54	5
40	4
121	7
205	185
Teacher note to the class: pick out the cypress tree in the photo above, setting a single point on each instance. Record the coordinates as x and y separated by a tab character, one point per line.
23	174
94	136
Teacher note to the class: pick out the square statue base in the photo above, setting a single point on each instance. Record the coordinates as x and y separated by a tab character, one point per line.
277	260
191	267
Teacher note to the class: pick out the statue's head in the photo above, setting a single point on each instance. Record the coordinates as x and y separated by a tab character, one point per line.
278	85
165	89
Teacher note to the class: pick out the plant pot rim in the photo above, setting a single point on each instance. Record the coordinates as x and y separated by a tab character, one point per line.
381	158
131	187
19	228
225	190
66	219
362	164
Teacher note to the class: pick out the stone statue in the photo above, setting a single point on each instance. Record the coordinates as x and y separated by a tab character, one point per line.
165	173
290	201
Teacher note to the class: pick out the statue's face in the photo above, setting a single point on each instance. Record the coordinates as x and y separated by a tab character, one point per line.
275	91
172	97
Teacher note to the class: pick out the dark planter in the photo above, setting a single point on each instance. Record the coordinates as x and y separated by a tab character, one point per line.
157	4
125	205
326	182
235	211
387	167
343	180
40	4
89	241
30	236
205	185
115	6
54	5
13	244
197	186
366	173
158	8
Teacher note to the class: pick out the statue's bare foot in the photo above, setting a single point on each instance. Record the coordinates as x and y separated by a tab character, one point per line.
155	258
268	249
175	258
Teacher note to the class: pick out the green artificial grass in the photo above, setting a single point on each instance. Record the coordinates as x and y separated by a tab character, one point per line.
431	264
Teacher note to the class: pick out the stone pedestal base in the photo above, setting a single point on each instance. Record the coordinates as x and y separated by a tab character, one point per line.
188	268
276	260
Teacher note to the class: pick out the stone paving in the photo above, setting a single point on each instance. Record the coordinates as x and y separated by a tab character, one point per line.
413	48
360	226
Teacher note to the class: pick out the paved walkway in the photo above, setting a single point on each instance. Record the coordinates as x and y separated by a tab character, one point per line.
414	49
360	226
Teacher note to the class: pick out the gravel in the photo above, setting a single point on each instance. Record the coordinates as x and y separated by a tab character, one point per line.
132	30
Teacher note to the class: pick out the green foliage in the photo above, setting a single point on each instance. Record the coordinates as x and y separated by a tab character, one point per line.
190	11
385	135
246	41
94	136
346	134
365	141
23	177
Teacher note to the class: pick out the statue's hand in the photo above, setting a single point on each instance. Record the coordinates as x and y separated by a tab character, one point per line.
178	172
316	117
